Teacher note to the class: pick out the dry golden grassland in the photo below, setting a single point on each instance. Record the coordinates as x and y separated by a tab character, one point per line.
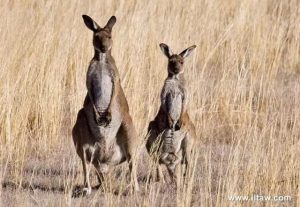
244	98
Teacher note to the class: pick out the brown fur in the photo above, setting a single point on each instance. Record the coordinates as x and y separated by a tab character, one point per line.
104	136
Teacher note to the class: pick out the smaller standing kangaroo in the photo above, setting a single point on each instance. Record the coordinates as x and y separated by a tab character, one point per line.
172	134
104	134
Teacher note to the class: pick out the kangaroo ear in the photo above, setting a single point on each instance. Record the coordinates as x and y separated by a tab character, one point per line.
111	22
187	51
166	50
90	23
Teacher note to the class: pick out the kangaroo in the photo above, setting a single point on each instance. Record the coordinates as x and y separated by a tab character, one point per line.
104	134
171	132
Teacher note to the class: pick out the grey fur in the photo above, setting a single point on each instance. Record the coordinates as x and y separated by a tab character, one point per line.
173	98
172	134
100	82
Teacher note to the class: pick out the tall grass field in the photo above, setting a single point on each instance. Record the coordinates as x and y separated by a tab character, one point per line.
243	81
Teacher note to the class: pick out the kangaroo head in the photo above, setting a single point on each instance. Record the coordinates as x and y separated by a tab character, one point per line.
102	36
175	64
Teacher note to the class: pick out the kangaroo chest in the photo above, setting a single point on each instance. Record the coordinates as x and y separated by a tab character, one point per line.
172	97
100	84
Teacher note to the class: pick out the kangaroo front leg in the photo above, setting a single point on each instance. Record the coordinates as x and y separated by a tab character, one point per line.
179	122
171	124
103	118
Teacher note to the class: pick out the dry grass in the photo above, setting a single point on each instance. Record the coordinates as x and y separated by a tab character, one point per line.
243	80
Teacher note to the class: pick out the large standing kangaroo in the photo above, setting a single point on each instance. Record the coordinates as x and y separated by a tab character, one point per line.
104	134
171	132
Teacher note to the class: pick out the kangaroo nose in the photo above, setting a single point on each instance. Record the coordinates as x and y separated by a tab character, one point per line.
103	48
173	64
176	70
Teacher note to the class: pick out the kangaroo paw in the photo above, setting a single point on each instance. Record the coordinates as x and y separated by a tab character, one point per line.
104	119
178	125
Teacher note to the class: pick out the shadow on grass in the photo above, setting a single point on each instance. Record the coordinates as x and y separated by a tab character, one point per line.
50	172
77	190
32	187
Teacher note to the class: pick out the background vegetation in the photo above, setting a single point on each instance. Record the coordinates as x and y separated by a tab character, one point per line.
243	81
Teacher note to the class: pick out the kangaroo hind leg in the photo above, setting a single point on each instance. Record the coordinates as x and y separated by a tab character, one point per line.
127	135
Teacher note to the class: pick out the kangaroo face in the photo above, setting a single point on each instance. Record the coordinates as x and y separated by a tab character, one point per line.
175	64
102	40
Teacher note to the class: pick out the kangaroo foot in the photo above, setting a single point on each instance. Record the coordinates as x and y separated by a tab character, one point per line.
87	190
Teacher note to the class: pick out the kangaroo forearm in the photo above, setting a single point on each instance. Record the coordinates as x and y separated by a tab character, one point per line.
113	93
183	109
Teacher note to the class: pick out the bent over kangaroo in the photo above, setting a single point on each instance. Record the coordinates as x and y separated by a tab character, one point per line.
171	133
104	134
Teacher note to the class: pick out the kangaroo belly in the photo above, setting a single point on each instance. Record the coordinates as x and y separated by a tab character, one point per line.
100	142
109	153
117	157
102	87
171	147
